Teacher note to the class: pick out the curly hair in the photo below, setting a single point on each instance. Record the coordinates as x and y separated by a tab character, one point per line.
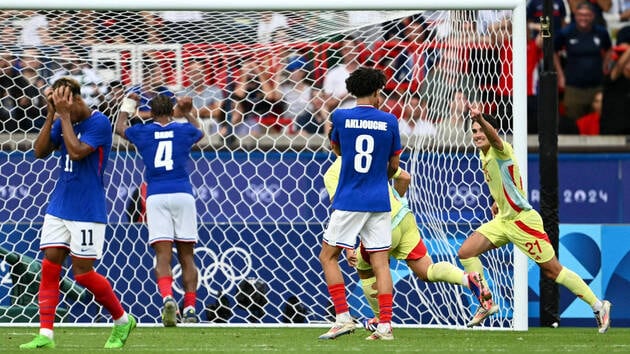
161	105
365	81
74	85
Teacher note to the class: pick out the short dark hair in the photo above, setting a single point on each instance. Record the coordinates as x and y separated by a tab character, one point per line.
161	105
494	122
365	81
74	85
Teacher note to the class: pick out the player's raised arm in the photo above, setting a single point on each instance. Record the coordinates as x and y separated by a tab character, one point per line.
43	145
491	133
64	97
185	106
127	110
402	180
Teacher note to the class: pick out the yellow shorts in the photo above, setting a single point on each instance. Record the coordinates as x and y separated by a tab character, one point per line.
406	243
526	232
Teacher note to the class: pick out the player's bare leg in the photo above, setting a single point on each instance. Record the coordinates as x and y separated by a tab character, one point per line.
566	277
164	276
185	255
384	285
468	253
329	258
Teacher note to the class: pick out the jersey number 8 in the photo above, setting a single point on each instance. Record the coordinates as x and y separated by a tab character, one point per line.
363	146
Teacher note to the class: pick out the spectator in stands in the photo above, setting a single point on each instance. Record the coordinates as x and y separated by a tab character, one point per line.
623	35
111	99
589	124
335	78
34	30
598	6
296	88
182	27
453	129
588	49
269	22
616	100
31	58
314	119
494	26
29	111
151	86
414	119
534	58
624	10
412	62
13	85
259	107
120	27
535	12
68	64
207	98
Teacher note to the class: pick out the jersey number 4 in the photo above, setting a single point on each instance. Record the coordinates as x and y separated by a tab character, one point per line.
164	155
363	146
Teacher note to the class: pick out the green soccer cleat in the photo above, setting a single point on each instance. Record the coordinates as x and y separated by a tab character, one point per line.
40	341
120	333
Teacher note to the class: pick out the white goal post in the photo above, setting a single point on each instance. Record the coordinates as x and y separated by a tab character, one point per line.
271	217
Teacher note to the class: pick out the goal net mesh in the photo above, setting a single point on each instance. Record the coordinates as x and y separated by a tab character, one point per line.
263	84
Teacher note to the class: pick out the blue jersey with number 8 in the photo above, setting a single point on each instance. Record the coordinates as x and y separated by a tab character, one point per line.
368	137
165	151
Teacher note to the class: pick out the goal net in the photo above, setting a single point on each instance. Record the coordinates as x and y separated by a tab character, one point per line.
263	84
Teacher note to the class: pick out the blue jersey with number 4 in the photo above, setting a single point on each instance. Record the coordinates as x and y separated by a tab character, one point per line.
165	151
368	137
79	194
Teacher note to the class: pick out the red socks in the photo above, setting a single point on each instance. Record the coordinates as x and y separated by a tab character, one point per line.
338	295
385	307
165	286
48	293
102	290
190	299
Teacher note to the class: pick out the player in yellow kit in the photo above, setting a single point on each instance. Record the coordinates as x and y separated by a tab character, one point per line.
516	221
406	245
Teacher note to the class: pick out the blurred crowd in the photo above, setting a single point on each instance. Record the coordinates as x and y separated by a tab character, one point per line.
284	75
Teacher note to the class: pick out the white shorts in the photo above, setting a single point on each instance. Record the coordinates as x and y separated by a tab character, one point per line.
374	229
84	239
172	217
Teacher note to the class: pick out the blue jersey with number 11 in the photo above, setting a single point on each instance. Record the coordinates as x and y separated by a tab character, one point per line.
165	151
368	137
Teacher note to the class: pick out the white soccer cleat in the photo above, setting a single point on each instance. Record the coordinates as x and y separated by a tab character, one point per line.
169	313
603	317
339	329
481	314
383	332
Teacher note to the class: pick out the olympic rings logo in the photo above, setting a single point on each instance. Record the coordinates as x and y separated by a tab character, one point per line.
464	195
213	266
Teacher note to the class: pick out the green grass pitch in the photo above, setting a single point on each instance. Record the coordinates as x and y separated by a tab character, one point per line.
304	340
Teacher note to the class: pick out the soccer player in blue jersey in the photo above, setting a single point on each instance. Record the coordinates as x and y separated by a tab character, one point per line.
75	219
165	147
516	221
368	141
406	245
